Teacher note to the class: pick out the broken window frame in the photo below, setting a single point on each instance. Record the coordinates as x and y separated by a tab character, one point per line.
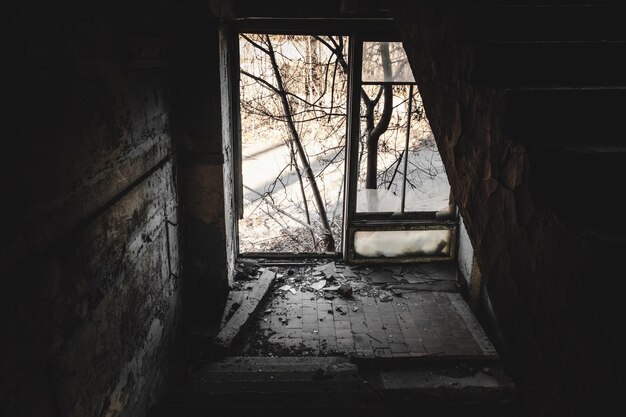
353	221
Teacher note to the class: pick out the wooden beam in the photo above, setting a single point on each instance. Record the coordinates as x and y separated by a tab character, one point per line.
248	307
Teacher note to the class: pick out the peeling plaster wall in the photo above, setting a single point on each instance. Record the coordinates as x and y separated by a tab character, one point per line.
465	254
90	301
551	288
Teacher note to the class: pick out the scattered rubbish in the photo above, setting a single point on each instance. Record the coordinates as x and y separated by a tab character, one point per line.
345	290
329	269
326	282
318	285
249	263
319	267
246	270
330	280
348	273
242	276
385	297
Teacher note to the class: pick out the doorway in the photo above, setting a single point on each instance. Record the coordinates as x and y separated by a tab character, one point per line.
292	102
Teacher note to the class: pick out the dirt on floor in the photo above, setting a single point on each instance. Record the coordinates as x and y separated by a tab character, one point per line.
324	285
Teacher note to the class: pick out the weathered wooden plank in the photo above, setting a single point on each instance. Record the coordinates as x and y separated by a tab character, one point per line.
240	318
234	297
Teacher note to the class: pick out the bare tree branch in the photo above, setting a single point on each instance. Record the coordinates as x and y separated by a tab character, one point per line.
298	143
256	45
267	199
261	80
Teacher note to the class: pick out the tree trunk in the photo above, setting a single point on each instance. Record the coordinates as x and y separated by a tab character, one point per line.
373	133
295	139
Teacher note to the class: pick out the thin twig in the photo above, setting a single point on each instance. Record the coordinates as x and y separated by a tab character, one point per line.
278	209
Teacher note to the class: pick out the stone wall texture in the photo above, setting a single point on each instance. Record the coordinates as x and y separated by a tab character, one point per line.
551	287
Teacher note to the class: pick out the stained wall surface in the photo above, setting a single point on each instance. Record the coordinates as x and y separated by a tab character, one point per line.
547	279
91	298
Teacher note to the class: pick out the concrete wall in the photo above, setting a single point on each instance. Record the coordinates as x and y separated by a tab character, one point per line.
198	135
549	286
90	301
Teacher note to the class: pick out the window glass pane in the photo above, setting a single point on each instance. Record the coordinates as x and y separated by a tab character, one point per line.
402	243
385	62
381	159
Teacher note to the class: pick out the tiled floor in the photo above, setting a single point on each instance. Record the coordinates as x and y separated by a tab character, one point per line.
415	323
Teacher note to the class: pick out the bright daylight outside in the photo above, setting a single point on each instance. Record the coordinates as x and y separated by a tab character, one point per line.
293	107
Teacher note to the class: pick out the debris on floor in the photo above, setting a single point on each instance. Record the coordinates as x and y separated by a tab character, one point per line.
324	308
333	279
247	309
385	297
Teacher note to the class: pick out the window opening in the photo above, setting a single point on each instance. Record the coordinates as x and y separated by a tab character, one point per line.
334	157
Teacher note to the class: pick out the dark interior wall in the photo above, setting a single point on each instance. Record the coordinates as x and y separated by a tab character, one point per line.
90	297
550	285
198	134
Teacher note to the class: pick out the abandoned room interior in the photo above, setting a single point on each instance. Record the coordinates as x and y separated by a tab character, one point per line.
351	207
